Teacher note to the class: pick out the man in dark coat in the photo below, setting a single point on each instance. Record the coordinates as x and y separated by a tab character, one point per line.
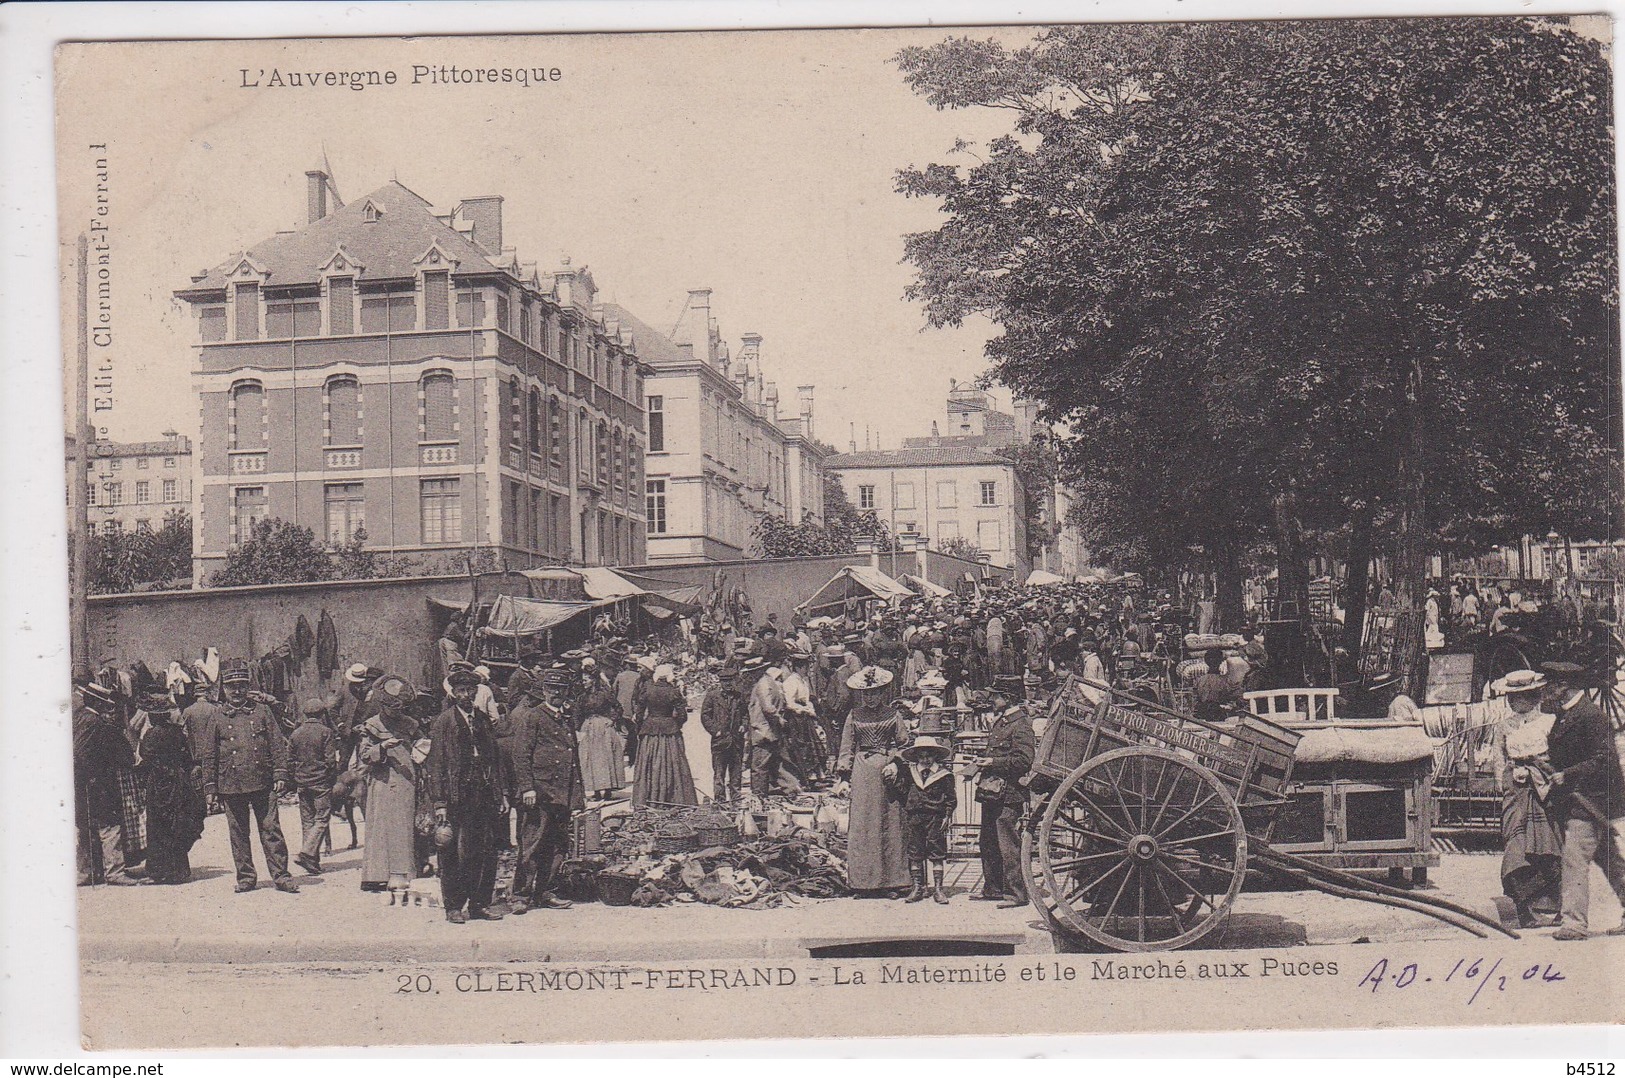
101	752
1006	760
724	716
1588	793
467	785
548	778
312	763
355	707
245	767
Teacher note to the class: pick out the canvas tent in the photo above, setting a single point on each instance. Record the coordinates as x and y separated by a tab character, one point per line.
1042	577
855	582
923	586
514	616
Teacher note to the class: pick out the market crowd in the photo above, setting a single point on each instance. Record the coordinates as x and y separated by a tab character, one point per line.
897	711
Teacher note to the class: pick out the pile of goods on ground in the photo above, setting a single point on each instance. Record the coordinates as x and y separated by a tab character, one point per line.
752	854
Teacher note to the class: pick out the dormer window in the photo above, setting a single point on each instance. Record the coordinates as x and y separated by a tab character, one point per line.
371	211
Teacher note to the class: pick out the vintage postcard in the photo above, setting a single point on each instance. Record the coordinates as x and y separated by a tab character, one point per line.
1056	529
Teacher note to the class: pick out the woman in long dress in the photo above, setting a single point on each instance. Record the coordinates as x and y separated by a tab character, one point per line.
1532	854
661	775
387	739
603	748
175	808
874	735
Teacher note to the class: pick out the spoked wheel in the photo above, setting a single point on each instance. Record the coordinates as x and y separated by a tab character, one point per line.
1610	692
1496	659
1140	849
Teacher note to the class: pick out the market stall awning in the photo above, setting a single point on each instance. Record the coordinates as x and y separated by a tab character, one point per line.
1040	577
449	605
557	583
855	582
923	586
667	595
514	616
601	583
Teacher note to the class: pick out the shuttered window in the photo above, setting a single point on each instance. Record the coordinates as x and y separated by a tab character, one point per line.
341	306
439	419
247	418
436	299
343	411
248	312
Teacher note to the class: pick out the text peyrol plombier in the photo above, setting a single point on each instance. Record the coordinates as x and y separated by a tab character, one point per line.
281	78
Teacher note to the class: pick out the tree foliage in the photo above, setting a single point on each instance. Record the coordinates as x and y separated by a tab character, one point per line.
960	547
775	537
1253	265
281	552
131	560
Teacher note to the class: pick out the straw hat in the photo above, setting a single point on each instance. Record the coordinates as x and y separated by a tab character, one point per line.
870	677
1519	681
929	743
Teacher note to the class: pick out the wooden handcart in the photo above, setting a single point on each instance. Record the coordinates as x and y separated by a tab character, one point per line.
1146	820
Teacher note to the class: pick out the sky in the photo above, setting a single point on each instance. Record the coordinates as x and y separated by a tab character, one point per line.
759	164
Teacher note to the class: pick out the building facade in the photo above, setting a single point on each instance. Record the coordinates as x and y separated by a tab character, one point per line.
720	456
398	372
944	493
137	486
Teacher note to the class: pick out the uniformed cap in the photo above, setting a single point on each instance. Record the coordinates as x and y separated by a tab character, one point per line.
318	708
234	670
556	679
464	675
1562	671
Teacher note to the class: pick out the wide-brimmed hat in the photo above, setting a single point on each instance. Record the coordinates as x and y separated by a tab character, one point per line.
753	664
359	672
1518	681
98	695
395	692
924	743
870	677
836	651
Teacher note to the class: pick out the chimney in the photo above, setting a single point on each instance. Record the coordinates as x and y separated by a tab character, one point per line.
771	398
315	194
852	438
700	326
804	397
484	215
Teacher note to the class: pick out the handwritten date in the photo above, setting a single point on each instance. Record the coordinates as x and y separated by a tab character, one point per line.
1469	973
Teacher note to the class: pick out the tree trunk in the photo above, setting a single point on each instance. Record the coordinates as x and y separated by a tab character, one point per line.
1410	568
1291	593
1229	596
1359	582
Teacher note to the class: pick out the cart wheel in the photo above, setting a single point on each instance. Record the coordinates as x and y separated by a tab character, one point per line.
1496	659
1140	849
1610	696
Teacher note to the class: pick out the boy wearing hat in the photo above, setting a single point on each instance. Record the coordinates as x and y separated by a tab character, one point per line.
311	756
1588	791
245	767
929	801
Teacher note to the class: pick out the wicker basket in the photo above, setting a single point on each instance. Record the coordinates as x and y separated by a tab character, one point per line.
716	834
616	888
675	840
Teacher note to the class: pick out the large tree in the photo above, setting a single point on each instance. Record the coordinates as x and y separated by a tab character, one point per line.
1276	276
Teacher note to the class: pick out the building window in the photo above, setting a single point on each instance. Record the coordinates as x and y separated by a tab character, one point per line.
442	508
536	520
115	493
341	306
602	474
141	464
905	496
388	312
169	491
510	515
438	390
555	432
987	536
111	527
657	424
620	463
248	312
169	462
866	496
990	492
947	494
247	510
436	299
247	416
535	422
343	410
345	511
288	317
654	503
115	464
90	493
946	530
212	324
503	305
143	492
470	307
143	527
516	414
526	314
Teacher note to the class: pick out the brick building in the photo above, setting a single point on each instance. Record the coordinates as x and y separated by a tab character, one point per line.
398	370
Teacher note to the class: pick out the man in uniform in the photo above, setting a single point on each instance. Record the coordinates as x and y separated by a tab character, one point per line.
1588	792
245	767
468	787
1004	763
723	715
548	779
